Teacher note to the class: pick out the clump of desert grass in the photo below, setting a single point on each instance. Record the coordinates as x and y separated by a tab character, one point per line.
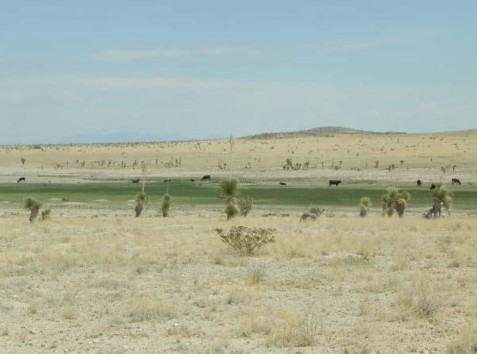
292	329
141	200
365	204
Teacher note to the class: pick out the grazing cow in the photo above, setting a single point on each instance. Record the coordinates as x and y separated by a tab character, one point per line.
21	179
456	181
334	182
433	186
419	183
282	183
135	180
192	180
205	178
167	180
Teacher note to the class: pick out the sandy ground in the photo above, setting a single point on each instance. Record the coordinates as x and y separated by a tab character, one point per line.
429	157
339	284
97	280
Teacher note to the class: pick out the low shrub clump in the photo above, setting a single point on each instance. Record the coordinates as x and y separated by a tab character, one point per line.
246	240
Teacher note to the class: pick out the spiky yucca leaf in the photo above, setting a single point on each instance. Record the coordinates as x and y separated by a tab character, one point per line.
228	188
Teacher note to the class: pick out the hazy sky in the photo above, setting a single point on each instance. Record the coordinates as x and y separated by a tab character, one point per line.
111	69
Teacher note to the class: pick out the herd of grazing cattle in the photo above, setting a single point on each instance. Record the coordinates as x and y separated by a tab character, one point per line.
332	182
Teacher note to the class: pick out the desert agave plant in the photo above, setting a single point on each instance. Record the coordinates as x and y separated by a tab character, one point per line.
166	203
141	200
394	200
229	192
365	203
34	206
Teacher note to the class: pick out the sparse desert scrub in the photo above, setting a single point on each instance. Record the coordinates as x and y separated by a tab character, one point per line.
364	204
34	206
166	204
75	281
245	240
394	200
141	201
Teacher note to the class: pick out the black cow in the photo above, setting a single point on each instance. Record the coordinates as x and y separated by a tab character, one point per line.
456	181
192	180
433	186
205	178
282	183
334	182
167	180
419	183
21	179
135	180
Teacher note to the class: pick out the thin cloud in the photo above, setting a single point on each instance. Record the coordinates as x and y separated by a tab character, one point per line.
380	41
132	55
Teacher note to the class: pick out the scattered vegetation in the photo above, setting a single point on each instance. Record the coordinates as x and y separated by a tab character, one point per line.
45	214
246	240
312	214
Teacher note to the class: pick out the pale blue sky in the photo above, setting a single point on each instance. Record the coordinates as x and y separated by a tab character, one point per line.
86	70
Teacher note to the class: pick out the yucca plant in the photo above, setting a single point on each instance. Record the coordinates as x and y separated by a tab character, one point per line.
141	200
229	192
34	206
166	203
394	200
443	196
365	203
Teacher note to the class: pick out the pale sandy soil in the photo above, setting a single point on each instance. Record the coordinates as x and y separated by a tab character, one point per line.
97	280
423	156
339	284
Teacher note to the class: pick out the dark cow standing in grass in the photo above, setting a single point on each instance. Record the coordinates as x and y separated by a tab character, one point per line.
205	178
456	181
21	179
334	182
433	186
282	183
135	180
419	183
167	180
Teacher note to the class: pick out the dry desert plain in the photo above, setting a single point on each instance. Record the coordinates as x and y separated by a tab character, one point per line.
95	279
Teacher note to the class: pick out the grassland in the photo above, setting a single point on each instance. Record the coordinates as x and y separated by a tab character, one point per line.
95	279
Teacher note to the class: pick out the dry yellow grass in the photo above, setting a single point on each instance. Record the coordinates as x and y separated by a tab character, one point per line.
113	284
423	156
104	282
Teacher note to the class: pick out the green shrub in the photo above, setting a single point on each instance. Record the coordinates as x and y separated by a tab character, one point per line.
231	211
246	240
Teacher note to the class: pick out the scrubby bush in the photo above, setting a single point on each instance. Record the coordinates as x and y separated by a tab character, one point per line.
246	240
34	206
45	214
245	205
